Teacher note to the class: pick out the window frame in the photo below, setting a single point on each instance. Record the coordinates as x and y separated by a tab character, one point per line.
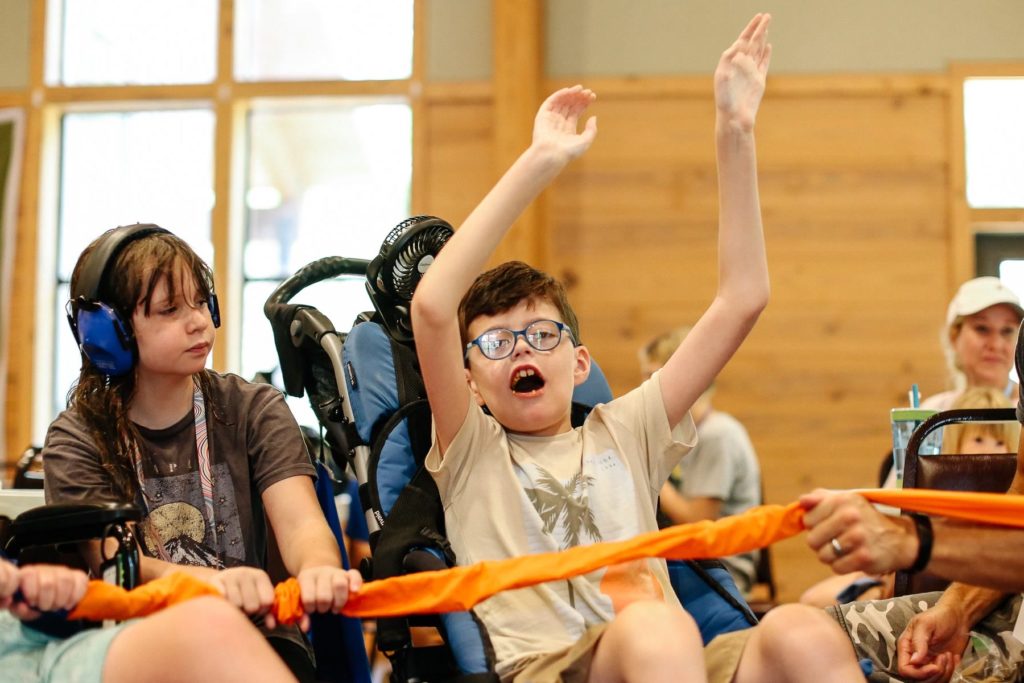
966	222
230	101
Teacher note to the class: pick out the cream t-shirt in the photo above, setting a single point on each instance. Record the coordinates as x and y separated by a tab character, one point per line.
507	495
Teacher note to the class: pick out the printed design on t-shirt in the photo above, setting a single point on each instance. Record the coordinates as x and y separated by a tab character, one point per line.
176	519
563	508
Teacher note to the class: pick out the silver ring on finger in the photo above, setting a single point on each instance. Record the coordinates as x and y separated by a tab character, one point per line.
837	547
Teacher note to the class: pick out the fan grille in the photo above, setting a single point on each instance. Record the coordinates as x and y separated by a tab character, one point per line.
399	230
415	256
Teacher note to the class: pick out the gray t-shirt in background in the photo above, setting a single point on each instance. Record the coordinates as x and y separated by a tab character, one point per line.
723	465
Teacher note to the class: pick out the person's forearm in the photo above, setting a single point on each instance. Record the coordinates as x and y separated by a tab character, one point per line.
683	510
676	508
311	545
973	602
989	556
743	266
467	252
151	568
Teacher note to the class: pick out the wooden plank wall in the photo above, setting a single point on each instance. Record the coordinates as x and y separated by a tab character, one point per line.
854	176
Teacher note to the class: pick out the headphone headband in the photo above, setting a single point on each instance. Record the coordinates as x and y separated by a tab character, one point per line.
102	257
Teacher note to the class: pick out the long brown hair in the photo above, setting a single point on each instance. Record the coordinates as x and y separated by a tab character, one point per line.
103	401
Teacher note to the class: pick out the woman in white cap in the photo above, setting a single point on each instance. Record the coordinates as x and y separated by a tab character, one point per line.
979	340
979	337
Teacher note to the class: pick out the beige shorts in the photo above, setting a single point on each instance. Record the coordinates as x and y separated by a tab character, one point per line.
572	664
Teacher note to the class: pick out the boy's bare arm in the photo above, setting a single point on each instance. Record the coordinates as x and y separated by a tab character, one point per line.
742	265
556	141
685	510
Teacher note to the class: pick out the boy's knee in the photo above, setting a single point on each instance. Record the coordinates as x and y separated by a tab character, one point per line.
648	617
799	625
211	618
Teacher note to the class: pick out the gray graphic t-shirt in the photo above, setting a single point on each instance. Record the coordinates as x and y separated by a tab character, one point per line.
254	443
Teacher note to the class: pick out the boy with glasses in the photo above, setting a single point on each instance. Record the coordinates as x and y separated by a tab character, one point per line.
522	480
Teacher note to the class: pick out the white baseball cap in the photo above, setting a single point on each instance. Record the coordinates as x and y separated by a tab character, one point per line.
980	293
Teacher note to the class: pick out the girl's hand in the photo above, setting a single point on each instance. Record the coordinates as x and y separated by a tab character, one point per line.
740	75
555	128
45	588
248	589
326	589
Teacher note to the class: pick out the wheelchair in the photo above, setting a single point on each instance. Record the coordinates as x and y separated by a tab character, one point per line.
53	534
364	386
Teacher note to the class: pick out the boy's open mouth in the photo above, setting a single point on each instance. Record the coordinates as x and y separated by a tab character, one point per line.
526	380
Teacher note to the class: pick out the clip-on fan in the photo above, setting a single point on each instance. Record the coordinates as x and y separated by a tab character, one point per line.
404	257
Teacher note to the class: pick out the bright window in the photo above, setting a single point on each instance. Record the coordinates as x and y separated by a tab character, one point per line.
323	175
329	178
122	42
348	40
127	167
994	142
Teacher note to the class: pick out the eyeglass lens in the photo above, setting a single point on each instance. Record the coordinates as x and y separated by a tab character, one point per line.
542	335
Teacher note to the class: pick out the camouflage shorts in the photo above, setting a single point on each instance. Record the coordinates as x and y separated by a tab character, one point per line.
993	655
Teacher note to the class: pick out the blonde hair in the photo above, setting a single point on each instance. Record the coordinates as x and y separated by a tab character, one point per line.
981	397
656	353
955	373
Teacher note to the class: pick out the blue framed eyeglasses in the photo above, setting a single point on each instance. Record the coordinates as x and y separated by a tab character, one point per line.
543	335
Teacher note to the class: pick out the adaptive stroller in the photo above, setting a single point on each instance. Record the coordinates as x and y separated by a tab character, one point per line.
365	388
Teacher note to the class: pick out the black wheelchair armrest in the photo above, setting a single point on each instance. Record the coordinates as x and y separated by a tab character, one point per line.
420	560
70	522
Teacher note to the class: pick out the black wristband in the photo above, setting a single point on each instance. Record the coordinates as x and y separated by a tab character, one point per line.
923	524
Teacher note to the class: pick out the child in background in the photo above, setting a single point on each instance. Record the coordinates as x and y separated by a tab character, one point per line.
520	479
209	458
720	476
985	437
186	642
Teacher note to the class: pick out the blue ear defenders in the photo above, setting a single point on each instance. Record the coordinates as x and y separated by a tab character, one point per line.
102	335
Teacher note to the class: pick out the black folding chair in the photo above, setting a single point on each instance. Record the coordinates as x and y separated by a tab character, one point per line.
987	473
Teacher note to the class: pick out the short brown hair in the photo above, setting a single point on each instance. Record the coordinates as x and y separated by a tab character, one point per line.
505	286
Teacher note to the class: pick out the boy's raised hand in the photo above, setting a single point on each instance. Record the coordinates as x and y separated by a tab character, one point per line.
556	127
741	72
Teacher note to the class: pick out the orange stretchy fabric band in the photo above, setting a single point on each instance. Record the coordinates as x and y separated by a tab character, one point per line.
461	588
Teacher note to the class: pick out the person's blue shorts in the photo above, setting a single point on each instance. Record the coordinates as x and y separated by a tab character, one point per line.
28	656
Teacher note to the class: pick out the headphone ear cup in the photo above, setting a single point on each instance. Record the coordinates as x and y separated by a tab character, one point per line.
214	305
105	339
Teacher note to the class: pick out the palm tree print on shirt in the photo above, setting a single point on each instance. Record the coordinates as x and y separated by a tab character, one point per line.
567	503
554	502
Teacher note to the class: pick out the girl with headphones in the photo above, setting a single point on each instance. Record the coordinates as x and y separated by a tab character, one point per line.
209	457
